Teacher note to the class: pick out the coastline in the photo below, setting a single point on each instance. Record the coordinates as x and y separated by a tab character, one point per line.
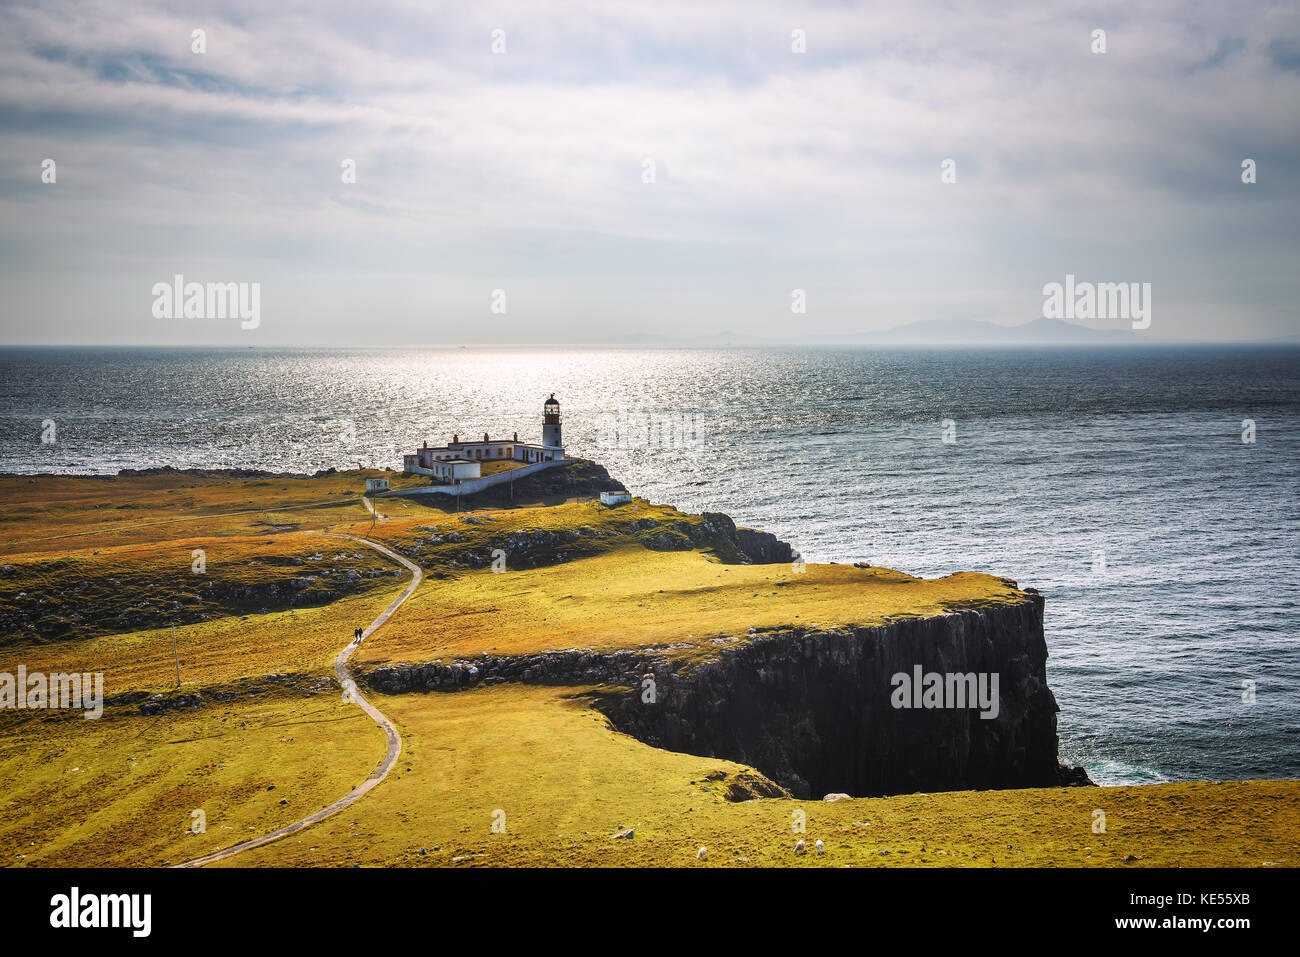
736	725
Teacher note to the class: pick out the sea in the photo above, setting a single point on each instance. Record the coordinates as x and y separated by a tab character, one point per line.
1150	493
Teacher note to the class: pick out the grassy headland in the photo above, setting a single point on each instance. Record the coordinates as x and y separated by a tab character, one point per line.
95	571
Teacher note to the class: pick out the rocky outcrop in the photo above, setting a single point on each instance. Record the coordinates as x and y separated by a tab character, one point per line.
582	477
160	703
758	548
575	666
476	547
51	599
812	709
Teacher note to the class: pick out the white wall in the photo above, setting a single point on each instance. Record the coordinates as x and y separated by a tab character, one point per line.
479	484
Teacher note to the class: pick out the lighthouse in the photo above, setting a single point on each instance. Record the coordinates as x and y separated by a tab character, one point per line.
461	460
551	438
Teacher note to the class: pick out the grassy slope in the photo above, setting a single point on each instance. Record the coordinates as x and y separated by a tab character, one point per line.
632	597
566	785
540	754
412	522
213	652
71	793
58	514
54	527
121	790
92	592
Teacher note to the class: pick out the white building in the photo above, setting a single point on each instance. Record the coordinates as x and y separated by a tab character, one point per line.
614	498
455	470
376	485
457	460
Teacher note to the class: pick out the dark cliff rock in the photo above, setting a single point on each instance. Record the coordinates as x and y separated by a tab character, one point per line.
812	709
758	548
586	478
49	599
538	547
581	477
813	712
269	685
578	665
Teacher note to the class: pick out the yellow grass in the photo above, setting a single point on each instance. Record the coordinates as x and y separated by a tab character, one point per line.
122	790
58	514
411	520
85	592
213	652
566	785
540	754
635	597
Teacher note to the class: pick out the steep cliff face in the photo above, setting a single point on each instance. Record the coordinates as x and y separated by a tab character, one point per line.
812	709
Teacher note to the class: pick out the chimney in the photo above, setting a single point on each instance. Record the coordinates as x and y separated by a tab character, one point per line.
485	438
516	436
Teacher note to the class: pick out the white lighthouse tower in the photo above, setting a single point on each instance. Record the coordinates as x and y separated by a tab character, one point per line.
551	438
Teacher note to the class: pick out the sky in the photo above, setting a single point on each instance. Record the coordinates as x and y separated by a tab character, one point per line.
619	172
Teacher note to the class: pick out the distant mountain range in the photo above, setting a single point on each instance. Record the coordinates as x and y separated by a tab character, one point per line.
963	332
930	332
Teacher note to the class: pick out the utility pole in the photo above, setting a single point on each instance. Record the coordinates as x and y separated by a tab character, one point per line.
177	655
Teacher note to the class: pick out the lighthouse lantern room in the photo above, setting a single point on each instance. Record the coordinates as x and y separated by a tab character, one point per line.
551	437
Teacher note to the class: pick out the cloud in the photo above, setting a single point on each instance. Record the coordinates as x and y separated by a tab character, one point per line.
1228	46
772	168
1285	54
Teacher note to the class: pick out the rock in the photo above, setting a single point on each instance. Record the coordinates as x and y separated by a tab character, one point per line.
811	709
159	704
1076	777
628	833
760	548
130	697
749	786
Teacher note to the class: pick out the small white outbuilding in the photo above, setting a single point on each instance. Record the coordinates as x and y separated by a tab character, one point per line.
614	498
376	485
455	470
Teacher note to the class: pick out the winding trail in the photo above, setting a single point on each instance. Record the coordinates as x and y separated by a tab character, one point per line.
350	688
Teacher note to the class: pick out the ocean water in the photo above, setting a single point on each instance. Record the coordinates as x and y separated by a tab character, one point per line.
1116	482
